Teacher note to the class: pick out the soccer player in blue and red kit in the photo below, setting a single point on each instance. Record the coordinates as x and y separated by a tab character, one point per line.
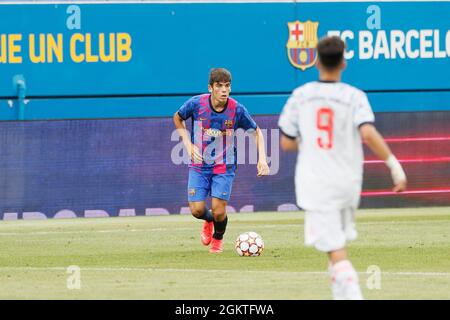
215	117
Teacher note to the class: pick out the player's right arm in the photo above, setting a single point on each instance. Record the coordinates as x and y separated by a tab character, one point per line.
376	143
186	111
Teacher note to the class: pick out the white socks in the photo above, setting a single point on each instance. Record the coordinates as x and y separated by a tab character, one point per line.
344	281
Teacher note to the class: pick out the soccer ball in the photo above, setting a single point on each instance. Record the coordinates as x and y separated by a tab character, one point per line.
249	244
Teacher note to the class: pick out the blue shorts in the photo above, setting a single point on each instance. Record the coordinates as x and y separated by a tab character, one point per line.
204	182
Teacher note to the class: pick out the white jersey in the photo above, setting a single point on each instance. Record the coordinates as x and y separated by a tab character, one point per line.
326	117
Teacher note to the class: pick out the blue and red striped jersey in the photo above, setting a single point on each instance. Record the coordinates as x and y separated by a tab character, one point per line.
214	131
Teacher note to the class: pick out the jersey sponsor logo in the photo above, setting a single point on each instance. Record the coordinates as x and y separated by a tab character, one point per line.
211	132
301	45
192	192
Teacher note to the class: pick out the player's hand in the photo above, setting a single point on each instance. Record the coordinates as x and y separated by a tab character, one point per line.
196	155
397	174
263	168
399	187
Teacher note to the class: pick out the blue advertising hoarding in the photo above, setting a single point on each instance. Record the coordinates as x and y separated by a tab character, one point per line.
90	168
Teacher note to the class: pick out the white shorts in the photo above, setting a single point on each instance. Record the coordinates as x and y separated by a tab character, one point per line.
331	230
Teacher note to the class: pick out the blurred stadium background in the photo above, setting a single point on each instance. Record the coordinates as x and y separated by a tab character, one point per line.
87	91
88	133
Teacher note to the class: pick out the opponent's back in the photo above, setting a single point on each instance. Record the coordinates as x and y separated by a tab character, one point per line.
326	117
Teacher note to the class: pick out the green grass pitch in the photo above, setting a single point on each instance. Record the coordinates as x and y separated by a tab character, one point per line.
162	258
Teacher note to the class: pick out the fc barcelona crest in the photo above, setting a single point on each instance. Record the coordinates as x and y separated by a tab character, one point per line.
301	45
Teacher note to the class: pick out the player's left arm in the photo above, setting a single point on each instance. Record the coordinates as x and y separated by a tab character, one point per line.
373	139
246	122
262	166
364	120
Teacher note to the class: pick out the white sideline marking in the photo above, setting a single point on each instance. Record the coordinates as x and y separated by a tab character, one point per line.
265	226
84	231
445	274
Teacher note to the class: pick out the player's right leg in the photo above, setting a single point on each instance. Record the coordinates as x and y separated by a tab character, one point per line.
198	190
329	232
200	211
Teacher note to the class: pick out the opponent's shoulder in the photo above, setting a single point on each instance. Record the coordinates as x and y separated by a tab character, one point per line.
352	91
301	92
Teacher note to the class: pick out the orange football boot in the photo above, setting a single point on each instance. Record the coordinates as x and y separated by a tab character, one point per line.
207	232
216	246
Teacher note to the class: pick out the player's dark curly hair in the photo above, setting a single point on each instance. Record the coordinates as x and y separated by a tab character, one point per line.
331	52
219	75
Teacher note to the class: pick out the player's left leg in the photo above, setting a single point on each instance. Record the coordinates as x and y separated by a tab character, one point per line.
220	217
344	278
329	232
344	275
220	192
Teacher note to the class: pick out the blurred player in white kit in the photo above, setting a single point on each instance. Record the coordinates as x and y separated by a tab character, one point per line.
326	122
